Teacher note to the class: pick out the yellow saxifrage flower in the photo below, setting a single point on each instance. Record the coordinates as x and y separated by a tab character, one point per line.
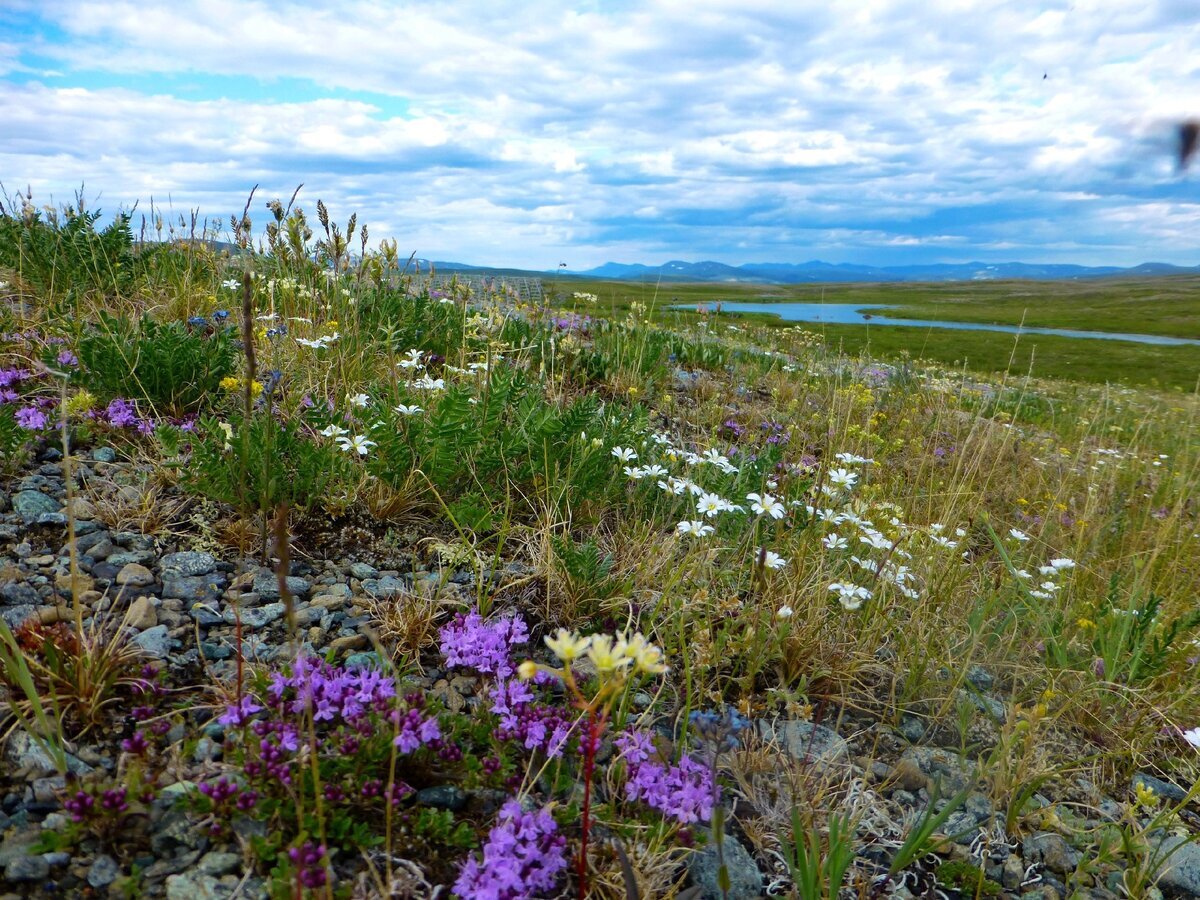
567	645
606	657
230	383
647	659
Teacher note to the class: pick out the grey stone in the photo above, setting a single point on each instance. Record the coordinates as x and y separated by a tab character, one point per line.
135	575
56	519
387	587
961	826
31	504
1052	851
443	796
15	616
56	858
809	743
219	863
26	753
155	642
980	678
745	878
17	845
195	886
912	728
104	455
940	765
362	571
368	660
27	868
125	557
1165	789
985	704
175	831
1180	872
257	617
188	564
204	614
194	588
20	592
103	871
266	585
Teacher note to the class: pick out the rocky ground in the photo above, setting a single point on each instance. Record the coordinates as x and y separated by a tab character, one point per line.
180	603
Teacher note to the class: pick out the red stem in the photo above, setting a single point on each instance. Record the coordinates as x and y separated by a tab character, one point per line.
589	764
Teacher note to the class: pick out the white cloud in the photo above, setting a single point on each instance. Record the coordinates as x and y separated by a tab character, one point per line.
517	133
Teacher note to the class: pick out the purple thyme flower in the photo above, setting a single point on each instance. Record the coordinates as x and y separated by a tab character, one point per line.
523	857
31	418
9	377
683	791
483	646
121	413
67	358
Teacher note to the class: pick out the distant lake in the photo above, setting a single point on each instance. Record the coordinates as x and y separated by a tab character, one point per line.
855	314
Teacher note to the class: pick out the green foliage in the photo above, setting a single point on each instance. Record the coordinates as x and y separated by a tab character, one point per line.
967	879
262	464
14	440
1131	637
585	569
62	255
171	365
819	867
412	322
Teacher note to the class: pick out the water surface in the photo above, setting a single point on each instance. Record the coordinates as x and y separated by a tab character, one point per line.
859	314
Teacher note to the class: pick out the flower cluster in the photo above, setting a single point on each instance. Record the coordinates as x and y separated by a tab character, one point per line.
471	642
683	791
523	857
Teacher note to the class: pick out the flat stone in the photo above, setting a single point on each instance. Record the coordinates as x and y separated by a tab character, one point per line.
80	508
218	863
348	642
103	871
135	575
15	616
362	571
266	585
195	886
154	642
194	589
53	519
807	742
104	455
31	504
257	617
188	564
20	592
387	587
745	878
940	765
1052	851
1180	872
142	614
23	752
205	615
27	868
125	557
443	796
1165	789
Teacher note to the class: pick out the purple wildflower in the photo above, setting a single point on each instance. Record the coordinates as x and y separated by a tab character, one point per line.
9	377
241	712
121	413
523	857
31	418
683	791
537	726
67	358
483	646
309	869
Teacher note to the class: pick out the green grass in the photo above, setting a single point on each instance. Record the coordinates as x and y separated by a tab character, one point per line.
1168	306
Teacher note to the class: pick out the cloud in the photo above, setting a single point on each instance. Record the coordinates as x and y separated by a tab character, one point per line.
890	131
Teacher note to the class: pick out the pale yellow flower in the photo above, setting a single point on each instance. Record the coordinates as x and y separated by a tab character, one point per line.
647	658
605	656
567	645
527	670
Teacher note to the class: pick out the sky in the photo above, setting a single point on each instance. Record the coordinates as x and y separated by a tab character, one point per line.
881	132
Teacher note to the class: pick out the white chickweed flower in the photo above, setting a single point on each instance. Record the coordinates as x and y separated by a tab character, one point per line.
358	444
694	528
766	505
406	410
1018	535
624	454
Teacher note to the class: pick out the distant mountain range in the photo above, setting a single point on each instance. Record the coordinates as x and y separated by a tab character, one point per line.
817	271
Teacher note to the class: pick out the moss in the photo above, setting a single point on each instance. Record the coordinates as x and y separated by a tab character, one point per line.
967	878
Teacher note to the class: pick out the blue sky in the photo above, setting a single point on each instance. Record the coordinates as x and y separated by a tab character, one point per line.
528	134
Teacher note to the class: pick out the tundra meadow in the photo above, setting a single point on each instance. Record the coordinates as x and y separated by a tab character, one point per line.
324	576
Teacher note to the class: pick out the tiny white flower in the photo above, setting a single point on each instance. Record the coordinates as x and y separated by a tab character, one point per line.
786	612
1062	564
835	542
413	360
333	431
694	528
624	454
1192	736
406	410
851	596
359	400
843	478
425	383
773	560
655	471
766	505
359	444
673	485
636	473
1018	535
710	504
943	542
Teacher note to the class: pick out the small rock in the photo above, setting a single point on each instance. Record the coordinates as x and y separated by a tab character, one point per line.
362	571
348	642
807	742
103	871
31	504
155	642
80	508
1180	872
104	455
937	764
27	868
1052	851
266	584
980	678
386	588
193	588
26	753
745	878
187	564
257	617
1165	789
195	886
367	660
135	575
219	863
443	796
126	557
